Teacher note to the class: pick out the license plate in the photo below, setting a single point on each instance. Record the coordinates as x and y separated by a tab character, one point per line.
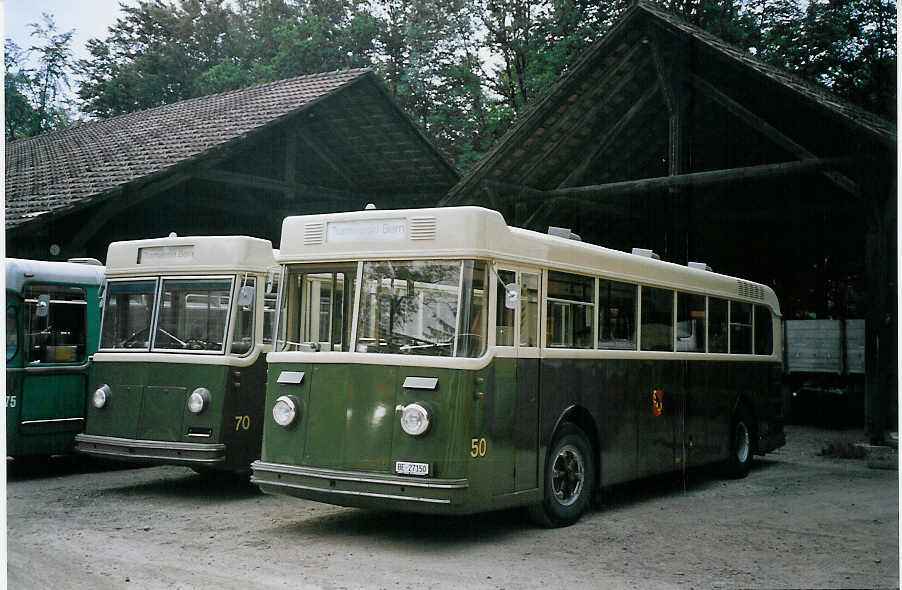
405	468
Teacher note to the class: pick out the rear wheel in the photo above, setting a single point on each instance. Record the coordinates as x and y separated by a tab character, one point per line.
569	479
742	443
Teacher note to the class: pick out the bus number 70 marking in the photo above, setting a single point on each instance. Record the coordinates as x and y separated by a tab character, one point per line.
477	447
242	423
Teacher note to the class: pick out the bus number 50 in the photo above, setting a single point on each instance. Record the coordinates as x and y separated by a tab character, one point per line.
477	447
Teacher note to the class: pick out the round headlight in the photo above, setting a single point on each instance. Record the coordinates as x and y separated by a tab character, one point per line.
199	400
285	410
414	419
101	396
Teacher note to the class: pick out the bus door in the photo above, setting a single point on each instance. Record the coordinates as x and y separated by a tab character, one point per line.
661	393
515	401
52	398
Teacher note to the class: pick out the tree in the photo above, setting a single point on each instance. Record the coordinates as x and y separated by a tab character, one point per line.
35	100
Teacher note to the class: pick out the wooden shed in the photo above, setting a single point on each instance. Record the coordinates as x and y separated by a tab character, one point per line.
231	163
663	136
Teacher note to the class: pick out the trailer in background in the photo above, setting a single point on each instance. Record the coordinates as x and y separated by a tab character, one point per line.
824	369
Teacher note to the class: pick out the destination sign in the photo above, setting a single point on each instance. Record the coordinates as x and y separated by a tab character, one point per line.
379	230
165	254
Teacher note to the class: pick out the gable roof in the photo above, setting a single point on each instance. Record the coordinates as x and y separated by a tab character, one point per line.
62	170
616	80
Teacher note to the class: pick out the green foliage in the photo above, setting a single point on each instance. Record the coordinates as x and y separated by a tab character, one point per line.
462	69
34	101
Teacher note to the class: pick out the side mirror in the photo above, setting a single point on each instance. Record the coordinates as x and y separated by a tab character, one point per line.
246	296
511	295
42	309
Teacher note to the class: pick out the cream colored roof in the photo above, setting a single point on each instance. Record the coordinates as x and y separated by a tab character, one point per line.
20	271
476	232
189	254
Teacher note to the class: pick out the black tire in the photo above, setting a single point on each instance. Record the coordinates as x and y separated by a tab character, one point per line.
569	479
742	444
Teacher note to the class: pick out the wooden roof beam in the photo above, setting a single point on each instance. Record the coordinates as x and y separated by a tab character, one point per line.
758	124
608	78
579	172
269	184
326	156
698	179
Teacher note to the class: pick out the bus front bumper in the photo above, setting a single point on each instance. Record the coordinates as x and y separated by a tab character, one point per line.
151	451
361	489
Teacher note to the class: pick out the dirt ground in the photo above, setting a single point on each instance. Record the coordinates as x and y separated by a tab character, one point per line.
798	520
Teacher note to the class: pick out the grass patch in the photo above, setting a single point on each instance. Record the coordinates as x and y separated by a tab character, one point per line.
843	450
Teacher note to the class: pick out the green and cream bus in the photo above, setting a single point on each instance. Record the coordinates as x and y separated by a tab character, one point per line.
439	361
52	326
180	370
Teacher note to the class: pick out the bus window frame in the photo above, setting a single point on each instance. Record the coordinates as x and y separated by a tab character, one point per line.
25	301
153	311
257	303
158	302
542	278
14	308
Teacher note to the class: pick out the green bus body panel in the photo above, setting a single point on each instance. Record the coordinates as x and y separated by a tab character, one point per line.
348	426
149	401
49	407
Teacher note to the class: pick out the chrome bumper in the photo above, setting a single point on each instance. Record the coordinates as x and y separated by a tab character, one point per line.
150	451
357	488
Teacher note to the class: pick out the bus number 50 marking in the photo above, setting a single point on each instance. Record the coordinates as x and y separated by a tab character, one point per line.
242	423
477	447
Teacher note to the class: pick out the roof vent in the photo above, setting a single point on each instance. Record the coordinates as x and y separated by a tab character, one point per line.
91	261
563	232
699	266
370	206
646	253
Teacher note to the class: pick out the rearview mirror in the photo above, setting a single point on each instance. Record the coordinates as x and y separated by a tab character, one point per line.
511	295
246	296
42	309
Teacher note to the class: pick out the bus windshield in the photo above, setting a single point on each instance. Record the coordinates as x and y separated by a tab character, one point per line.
127	314
193	314
422	307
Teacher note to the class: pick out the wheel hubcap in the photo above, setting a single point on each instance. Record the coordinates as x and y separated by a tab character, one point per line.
743	444
567	475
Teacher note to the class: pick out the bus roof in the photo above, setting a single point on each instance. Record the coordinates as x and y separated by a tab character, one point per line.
189	254
19	271
467	232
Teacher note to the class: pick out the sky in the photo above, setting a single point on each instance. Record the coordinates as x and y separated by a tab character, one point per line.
89	18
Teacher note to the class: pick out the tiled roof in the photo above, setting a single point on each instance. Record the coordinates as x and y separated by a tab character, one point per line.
59	169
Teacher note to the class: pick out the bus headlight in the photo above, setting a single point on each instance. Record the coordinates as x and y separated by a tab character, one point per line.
415	419
285	410
101	396
199	400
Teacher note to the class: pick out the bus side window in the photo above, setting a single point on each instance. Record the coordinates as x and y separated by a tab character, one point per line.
764	331
571	310
243	336
12	333
504	317
657	319
717	324
740	328
617	315
690	323
58	337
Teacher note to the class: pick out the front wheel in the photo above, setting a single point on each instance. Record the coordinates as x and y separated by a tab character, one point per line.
569	479
741	444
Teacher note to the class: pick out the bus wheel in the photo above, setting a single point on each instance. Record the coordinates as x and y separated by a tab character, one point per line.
742	443
569	479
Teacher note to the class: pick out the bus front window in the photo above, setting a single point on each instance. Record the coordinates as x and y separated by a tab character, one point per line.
413	307
193	314
317	307
127	313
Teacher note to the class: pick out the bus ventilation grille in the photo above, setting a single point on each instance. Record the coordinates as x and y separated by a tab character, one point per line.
750	290
314	233
423	228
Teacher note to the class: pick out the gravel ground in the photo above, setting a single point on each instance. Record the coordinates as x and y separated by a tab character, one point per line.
798	520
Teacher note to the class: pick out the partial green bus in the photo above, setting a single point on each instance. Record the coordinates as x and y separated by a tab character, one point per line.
180	370
439	361
52	327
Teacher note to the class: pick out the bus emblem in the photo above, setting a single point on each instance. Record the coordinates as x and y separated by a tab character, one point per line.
657	402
